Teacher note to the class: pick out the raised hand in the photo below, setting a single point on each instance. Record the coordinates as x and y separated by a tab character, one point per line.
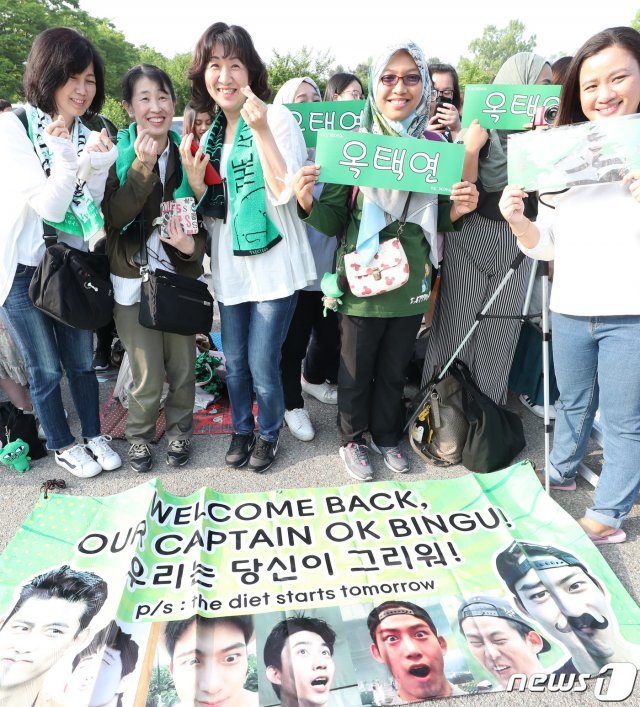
58	128
303	183
464	199
146	149
511	204
254	111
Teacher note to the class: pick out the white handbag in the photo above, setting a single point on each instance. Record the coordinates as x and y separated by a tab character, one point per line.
388	270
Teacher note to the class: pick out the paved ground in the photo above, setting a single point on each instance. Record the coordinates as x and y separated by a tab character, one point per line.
312	464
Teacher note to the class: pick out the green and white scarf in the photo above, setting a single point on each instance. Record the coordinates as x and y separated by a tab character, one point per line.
83	218
127	153
253	231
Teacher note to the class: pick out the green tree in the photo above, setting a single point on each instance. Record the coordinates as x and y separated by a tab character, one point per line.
177	70
635	22
161	687
306	62
491	51
251	682
21	22
115	112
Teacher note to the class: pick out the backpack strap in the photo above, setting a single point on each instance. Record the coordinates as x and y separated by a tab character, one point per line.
21	114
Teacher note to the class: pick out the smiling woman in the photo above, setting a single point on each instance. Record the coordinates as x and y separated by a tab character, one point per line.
260	255
148	174
596	330
55	174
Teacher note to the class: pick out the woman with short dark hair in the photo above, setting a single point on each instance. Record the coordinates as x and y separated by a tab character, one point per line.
149	172
260	254
54	172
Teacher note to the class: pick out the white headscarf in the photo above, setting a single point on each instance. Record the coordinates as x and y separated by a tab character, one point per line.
288	90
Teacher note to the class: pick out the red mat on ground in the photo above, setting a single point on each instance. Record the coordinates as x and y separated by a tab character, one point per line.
215	420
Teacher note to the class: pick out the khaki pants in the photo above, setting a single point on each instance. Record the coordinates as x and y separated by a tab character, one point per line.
154	356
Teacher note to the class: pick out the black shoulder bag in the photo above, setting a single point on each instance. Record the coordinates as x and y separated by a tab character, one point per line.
70	285
173	303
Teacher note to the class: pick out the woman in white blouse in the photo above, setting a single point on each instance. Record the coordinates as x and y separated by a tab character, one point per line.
260	255
54	171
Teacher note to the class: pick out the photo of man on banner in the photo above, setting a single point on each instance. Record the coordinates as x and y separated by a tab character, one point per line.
209	660
100	670
558	591
49	621
405	639
499	638
298	654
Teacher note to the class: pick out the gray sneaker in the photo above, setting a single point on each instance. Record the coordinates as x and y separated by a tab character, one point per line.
356	461
393	457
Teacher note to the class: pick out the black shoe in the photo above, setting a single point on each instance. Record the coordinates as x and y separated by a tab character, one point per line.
240	449
140	458
263	455
117	353
101	359
178	452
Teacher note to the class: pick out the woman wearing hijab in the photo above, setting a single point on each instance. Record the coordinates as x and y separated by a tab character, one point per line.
378	333
476	259
320	364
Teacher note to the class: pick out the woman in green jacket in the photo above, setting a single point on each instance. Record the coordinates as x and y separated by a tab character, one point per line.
378	333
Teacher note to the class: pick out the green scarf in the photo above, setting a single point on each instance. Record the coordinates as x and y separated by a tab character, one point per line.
83	218
252	230
126	155
519	69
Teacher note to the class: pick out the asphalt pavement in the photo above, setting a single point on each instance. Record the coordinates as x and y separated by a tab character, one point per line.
313	464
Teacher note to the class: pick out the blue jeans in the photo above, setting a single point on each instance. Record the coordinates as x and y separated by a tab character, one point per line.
252	338
47	347
597	362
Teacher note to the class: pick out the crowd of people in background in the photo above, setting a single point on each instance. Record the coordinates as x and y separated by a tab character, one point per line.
270	246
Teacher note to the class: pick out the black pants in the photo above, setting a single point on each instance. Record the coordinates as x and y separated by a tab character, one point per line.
322	354
374	356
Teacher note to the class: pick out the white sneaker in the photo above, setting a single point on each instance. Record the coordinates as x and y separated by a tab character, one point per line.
299	423
537	410
102	452
78	462
324	392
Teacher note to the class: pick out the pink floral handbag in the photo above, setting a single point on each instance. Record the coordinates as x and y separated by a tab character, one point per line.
388	270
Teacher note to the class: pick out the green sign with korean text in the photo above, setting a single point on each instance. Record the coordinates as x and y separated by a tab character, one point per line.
506	107
327	115
388	162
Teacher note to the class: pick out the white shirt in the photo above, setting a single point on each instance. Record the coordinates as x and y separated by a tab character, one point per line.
286	267
593	237
126	290
28	195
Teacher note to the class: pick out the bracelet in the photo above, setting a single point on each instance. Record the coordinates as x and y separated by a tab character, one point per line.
524	233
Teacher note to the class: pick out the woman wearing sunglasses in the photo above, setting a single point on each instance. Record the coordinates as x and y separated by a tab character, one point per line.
378	333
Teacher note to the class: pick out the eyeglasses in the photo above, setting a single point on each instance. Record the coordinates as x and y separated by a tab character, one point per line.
447	93
355	94
408	80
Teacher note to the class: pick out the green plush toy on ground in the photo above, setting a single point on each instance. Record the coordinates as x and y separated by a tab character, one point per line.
15	455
